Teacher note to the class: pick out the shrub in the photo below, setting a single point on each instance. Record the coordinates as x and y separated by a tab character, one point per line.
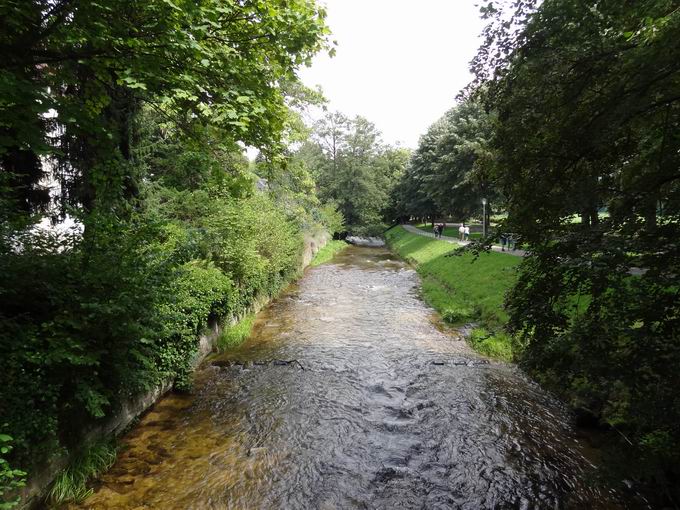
10	479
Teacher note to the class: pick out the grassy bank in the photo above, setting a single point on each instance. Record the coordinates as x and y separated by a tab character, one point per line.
235	334
462	289
327	252
72	484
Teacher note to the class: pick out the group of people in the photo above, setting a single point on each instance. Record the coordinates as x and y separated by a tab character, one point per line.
508	240
463	231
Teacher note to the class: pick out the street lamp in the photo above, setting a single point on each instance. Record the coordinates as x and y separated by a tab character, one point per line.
484	217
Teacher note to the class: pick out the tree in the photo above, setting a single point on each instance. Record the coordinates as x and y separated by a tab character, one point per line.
354	169
461	173
139	109
412	194
96	63
588	102
451	170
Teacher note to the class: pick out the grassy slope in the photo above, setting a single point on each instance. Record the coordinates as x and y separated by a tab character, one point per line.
461	289
235	334
327	252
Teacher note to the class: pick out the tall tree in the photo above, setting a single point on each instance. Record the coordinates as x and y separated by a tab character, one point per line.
588	100
354	169
96	63
451	170
140	109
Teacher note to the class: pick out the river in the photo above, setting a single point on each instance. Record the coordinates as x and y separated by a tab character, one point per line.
350	394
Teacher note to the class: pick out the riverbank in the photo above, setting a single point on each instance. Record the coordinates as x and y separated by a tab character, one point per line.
71	469
326	253
235	334
462	289
347	395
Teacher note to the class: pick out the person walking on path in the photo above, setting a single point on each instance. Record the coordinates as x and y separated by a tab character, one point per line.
461	231
467	233
516	252
504	241
435	229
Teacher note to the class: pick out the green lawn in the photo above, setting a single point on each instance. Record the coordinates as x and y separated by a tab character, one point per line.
462	289
327	252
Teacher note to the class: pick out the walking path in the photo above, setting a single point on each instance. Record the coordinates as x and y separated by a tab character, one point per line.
453	240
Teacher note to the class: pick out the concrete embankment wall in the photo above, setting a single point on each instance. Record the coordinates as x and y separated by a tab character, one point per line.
40	479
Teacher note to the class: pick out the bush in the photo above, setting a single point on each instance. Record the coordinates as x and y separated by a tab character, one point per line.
10	479
331	218
89	321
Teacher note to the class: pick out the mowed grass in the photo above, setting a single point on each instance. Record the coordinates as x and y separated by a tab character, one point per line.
326	253
461	288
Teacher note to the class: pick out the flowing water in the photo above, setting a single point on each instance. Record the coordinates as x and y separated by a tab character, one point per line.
350	395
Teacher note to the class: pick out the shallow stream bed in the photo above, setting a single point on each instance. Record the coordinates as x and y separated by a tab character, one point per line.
349	394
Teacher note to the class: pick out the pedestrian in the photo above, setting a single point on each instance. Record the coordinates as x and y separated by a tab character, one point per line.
435	229
441	229
511	242
461	231
467	233
504	241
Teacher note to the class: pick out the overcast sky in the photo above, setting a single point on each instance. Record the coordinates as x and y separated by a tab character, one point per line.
399	63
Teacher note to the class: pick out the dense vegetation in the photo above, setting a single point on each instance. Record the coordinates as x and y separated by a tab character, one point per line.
575	111
354	169
129	217
448	174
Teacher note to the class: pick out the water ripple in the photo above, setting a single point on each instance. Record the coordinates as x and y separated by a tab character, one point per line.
348	395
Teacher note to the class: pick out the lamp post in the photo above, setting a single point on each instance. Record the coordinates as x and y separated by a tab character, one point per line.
484	217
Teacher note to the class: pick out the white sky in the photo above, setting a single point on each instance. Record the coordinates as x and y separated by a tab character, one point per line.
399	63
